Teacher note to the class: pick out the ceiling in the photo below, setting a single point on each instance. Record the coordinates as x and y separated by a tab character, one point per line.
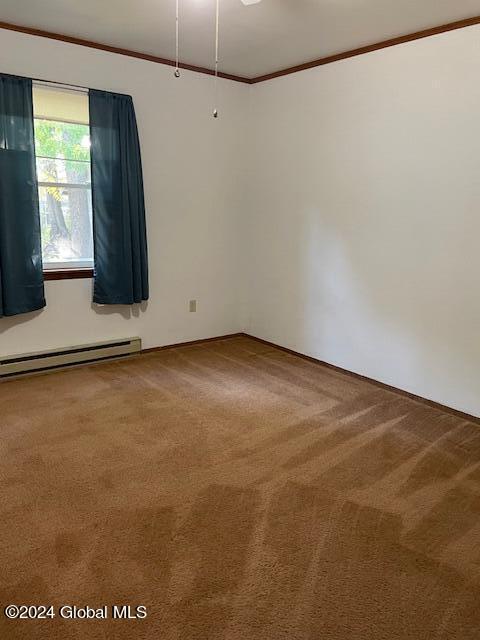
254	40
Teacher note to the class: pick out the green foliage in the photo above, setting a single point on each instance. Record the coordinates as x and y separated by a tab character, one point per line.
63	157
61	140
65	141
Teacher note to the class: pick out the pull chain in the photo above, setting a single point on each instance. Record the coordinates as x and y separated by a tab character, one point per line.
215	110
177	70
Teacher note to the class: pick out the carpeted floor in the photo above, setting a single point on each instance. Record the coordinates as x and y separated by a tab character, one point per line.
238	492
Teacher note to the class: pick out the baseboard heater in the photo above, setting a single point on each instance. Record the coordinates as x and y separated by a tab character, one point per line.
66	357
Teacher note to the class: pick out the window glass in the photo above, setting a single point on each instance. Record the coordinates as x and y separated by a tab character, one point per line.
64	185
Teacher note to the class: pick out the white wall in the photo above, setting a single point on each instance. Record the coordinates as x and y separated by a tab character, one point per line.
194	182
365	216
337	212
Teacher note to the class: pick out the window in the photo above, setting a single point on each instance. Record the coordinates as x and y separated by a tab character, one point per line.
62	148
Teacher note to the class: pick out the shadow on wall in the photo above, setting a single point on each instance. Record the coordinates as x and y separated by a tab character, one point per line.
397	269
126	311
377	291
9	322
366	222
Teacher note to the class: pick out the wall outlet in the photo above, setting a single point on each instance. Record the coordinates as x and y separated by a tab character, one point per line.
192	306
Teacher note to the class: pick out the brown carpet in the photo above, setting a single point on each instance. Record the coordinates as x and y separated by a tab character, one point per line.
238	492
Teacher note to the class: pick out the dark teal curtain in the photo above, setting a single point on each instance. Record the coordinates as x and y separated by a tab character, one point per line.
21	273
119	232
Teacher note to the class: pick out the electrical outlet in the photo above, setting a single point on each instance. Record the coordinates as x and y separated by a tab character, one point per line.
192	306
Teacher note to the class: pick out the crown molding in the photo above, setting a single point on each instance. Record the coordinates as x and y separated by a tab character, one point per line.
384	44
32	31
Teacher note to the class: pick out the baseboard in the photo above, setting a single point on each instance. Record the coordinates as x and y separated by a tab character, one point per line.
89	363
377	383
191	343
322	363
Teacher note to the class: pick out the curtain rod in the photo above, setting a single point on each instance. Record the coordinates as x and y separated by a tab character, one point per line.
70	87
77	87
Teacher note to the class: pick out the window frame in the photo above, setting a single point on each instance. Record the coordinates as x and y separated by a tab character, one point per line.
73	270
67	274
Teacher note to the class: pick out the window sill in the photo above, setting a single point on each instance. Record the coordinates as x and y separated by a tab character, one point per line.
67	274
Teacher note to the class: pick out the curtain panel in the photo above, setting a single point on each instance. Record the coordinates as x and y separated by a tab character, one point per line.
119	230
21	272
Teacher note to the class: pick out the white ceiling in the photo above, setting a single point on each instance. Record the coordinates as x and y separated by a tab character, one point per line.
255	40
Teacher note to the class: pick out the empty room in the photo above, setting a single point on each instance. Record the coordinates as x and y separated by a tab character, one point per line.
240	320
